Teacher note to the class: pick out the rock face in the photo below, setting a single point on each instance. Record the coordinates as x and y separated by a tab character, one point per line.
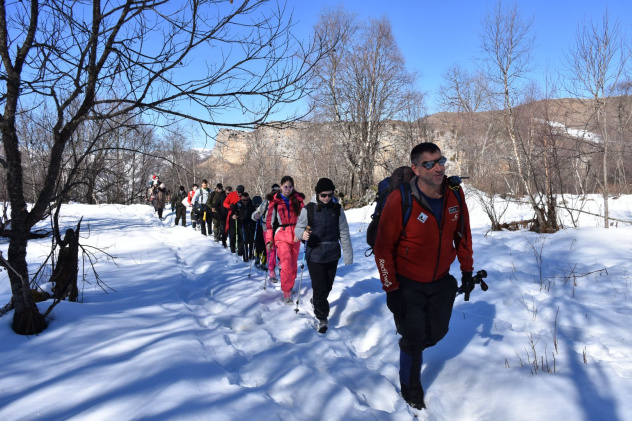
233	147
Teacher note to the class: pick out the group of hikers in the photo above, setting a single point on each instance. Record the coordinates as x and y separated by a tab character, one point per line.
270	231
421	225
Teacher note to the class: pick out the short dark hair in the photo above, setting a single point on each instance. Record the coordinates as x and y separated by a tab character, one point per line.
422	148
219	186
204	181
228	188
194	185
245	195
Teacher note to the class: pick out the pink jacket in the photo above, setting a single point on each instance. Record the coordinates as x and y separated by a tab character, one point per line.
278	210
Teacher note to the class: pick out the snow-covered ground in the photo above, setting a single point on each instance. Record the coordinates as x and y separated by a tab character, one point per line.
187	334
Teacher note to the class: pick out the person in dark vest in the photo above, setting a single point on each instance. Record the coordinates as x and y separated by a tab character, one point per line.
328	229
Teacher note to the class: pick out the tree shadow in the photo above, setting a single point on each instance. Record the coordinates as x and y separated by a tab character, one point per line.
597	401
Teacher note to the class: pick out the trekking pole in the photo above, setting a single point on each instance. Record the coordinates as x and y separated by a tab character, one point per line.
254	241
300	282
236	244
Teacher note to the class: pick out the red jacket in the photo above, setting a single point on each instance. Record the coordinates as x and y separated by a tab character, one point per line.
425	251
283	215
231	199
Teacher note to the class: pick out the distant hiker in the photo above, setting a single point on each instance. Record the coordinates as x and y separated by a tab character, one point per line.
231	218
194	217
267	258
199	207
414	262
328	229
161	199
215	202
245	227
177	203
283	212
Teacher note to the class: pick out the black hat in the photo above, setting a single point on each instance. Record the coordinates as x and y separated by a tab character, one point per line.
182	188
276	187
240	189
324	184
219	186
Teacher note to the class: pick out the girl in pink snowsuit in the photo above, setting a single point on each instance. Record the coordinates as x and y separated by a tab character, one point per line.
283	212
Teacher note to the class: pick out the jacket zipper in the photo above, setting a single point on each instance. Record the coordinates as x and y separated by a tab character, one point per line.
440	226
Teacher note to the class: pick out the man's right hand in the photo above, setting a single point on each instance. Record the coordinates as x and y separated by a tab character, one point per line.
395	303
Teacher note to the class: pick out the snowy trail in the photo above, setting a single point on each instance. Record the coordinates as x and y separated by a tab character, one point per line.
188	335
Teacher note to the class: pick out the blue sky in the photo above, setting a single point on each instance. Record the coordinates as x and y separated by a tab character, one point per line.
434	35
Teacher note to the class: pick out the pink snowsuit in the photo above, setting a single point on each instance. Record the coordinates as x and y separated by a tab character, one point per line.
283	238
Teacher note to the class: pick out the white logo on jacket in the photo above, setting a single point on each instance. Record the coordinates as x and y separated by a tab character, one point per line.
422	217
387	283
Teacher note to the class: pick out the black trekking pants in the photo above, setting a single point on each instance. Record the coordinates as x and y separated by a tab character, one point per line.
426	310
233	229
205	226
322	275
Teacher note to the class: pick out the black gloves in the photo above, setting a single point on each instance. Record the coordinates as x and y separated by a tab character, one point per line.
395	303
467	282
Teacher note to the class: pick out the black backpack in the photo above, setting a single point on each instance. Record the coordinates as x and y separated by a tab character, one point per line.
400	179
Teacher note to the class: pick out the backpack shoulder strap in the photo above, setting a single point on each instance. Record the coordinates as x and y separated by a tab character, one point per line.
407	204
458	198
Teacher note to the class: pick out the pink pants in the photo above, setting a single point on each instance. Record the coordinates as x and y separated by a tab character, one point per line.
271	259
288	251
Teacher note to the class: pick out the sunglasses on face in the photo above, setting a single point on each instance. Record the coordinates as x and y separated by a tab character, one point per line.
326	195
288	187
430	164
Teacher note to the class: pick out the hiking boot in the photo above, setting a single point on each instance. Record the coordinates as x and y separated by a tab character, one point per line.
273	279
414	396
322	326
287	298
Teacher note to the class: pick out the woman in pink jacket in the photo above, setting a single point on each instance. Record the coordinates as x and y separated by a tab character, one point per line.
283	212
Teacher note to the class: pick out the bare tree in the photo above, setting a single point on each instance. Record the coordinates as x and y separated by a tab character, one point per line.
361	86
595	67
101	61
507	43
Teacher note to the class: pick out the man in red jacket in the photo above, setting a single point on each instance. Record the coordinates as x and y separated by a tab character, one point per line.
414	262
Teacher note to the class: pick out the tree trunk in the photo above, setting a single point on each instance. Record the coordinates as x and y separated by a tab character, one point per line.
27	319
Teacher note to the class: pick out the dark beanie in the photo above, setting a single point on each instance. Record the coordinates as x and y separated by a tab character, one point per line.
219	186
275	187
324	184
240	189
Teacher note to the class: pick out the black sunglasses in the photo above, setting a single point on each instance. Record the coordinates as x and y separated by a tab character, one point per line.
324	195
430	164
